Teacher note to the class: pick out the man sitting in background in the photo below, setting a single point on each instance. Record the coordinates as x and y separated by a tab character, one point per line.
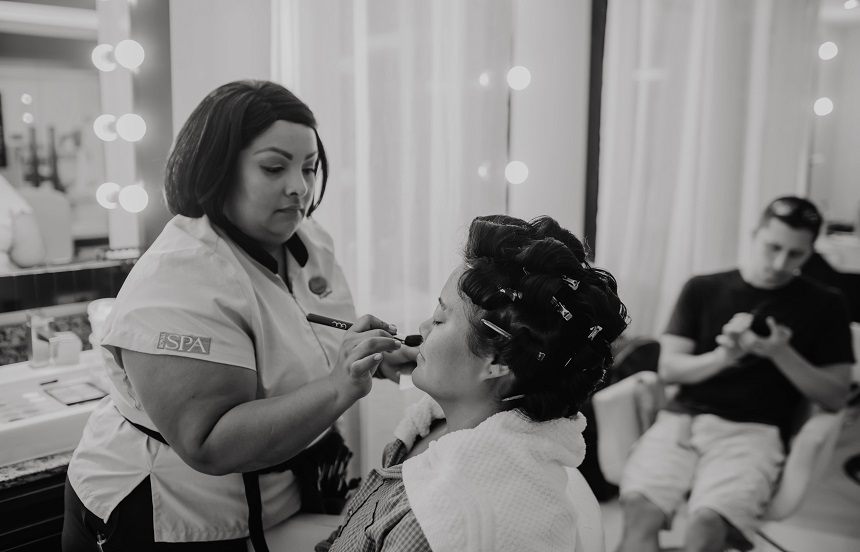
748	348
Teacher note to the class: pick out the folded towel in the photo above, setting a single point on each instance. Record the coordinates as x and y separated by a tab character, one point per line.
501	486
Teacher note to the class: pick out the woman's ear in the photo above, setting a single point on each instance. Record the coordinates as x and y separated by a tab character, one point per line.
496	371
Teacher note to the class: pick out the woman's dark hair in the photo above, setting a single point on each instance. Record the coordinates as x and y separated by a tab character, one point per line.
532	280
203	164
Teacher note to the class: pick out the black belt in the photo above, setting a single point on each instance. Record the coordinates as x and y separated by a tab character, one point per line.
303	467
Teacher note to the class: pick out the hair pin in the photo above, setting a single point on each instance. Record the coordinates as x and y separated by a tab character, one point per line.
512	294
515	397
562	310
541	355
568	362
496	329
594	331
574	284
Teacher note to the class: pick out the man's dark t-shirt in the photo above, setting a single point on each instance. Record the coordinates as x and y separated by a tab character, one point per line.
753	389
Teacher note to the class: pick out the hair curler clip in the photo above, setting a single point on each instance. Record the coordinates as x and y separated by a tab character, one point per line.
541	355
495	328
574	284
513	398
594	331
562	310
512	294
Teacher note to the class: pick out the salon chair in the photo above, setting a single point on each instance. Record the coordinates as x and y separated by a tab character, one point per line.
625	410
303	531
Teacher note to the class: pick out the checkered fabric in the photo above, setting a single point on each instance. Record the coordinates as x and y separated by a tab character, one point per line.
379	516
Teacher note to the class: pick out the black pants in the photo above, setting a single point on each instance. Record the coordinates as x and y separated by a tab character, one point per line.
129	528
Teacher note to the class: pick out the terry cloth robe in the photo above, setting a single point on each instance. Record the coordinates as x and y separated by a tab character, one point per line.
501	486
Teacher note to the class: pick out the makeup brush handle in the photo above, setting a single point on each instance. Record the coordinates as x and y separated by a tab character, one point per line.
326	321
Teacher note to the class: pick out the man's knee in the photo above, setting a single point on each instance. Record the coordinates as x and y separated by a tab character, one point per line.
642	514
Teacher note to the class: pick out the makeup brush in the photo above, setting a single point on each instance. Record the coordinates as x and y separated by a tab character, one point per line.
409	340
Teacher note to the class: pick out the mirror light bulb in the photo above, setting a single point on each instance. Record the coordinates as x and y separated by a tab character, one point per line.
27	118
484	79
103	58
131	127
484	170
828	50
850	4
516	172
26	99
105	127
823	106
133	198
519	77
129	54
108	195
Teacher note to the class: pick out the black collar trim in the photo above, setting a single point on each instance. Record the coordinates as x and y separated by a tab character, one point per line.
255	250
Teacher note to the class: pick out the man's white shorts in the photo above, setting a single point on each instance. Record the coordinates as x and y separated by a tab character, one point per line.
728	467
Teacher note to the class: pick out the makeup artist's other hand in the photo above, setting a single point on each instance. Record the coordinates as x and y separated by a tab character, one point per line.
360	353
397	362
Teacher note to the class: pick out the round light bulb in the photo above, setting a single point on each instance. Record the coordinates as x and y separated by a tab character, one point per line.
519	77
108	195
516	172
27	118
823	106
484	79
26	99
105	127
129	54
850	4
131	127
103	58
484	170
133	198
828	50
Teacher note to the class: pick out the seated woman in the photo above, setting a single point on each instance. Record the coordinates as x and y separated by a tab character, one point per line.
519	340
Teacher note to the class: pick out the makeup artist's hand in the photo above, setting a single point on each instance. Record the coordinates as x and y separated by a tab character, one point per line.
397	362
360	354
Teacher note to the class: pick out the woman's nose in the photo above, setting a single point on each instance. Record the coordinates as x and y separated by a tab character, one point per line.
296	184
424	328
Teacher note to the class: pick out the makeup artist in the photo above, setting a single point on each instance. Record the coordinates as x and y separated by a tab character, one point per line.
222	394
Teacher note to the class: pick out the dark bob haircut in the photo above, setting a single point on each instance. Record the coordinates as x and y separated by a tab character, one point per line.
203	164
532	280
796	212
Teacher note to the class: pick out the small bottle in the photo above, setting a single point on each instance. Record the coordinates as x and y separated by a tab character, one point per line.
39	353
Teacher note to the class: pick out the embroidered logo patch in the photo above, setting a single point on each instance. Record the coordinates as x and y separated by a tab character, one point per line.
184	343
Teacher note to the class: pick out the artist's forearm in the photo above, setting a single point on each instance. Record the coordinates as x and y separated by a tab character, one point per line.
265	432
826	388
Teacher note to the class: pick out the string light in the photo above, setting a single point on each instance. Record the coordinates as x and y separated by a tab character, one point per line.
516	172
823	106
519	77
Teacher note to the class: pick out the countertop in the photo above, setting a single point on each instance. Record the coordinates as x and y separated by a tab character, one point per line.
29	471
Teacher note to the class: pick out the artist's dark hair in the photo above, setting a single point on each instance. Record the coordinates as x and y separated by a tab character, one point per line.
203	165
520	276
799	213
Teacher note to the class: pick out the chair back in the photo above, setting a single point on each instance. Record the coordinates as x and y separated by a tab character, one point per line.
589	526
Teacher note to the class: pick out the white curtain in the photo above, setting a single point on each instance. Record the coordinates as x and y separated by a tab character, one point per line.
706	112
407	124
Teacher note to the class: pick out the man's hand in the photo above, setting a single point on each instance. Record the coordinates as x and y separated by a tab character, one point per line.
729	349
769	346
396	362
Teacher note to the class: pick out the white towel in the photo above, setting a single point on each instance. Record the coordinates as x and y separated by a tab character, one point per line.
499	487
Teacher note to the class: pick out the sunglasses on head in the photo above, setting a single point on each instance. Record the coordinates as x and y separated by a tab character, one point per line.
787	208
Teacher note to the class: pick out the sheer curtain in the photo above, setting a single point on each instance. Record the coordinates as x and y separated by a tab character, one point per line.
706	113
417	142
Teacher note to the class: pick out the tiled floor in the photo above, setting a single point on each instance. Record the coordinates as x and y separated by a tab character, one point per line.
828	521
